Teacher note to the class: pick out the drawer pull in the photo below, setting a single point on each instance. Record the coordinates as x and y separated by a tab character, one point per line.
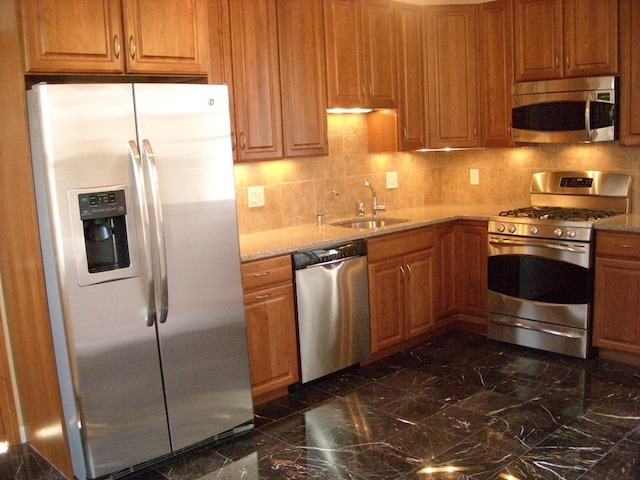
262	297
624	245
261	274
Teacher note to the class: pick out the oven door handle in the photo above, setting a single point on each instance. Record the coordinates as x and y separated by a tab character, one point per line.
508	323
524	243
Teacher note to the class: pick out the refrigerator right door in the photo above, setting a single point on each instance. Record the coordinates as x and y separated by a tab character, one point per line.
185	134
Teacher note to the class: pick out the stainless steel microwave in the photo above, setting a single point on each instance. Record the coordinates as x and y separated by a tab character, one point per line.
564	111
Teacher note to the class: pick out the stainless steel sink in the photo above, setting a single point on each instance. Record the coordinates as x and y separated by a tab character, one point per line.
369	222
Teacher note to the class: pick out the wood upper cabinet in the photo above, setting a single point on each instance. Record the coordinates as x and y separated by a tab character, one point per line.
452	85
271	325
401	272
302	67
495	32
629	72
565	38
116	36
616	317
410	77
256	80
360	52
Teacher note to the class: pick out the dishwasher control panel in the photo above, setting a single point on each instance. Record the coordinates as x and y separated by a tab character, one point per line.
314	257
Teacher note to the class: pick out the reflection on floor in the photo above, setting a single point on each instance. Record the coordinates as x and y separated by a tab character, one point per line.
457	407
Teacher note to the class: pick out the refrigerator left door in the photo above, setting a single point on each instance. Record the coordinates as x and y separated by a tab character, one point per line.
107	356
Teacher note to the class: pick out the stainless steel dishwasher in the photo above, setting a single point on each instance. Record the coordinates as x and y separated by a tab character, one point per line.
332	303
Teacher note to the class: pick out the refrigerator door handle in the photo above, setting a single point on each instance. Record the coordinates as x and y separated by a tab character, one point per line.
138	175
161	285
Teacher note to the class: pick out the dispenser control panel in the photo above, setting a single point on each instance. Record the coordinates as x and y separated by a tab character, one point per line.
102	204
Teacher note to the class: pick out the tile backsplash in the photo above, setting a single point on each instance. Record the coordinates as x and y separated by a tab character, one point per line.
296	189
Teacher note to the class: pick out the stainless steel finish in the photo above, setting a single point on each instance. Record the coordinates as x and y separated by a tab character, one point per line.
363	223
533	227
133	392
587	89
322	213
375	206
333	316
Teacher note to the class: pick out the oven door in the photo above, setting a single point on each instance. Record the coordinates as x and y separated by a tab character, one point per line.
540	293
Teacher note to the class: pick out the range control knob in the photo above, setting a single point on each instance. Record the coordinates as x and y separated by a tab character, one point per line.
501	228
512	229
534	230
571	233
557	232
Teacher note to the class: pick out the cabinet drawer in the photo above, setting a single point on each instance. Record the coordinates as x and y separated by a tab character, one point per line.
266	272
618	245
399	243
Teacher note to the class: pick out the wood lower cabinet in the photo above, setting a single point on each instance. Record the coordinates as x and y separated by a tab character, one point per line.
616	318
116	36
565	38
401	269
445	283
271	327
629	73
471	268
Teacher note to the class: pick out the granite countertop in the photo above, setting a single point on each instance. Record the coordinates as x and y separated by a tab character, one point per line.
620	223
255	246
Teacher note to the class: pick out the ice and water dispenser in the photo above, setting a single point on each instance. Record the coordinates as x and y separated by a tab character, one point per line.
103	216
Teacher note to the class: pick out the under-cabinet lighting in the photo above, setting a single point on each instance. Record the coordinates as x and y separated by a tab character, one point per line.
349	110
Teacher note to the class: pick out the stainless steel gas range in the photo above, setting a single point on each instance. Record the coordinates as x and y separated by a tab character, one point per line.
541	262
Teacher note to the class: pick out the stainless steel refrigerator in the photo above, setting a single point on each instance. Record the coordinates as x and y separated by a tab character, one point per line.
136	204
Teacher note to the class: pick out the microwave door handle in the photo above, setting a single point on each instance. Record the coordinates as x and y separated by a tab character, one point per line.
162	290
587	117
138	176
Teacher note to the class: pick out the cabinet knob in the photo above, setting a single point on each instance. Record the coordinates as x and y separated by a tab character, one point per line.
116	46
261	274
132	47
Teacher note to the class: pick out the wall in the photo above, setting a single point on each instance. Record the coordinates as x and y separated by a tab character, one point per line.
295	189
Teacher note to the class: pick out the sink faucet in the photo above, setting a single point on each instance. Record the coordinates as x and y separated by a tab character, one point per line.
321	215
375	206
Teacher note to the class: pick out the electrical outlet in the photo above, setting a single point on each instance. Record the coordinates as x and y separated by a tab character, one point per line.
256	197
392	180
474	176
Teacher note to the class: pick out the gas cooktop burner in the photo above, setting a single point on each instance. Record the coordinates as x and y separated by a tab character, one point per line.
559	213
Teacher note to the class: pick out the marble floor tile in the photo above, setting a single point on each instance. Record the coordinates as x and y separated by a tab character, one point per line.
456	407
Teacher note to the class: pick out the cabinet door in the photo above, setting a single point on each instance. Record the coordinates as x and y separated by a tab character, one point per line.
171	38
590	37
343	43
616	321
71	37
471	265
410	74
629	72
271	337
386	304
379	50
418	293
452	76
538	39
302	65
445	279
495	31
256	78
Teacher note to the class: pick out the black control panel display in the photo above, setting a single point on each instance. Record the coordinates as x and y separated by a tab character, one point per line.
102	204
576	182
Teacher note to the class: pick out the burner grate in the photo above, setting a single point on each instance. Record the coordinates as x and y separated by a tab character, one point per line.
558	213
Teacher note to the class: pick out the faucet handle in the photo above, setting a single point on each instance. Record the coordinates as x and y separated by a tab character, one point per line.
360	209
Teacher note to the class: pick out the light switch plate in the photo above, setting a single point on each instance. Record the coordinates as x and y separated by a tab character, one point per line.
392	180
474	176
256	197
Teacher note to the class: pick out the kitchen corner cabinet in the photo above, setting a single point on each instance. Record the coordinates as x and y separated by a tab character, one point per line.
452	69
271	326
445	284
565	38
495	37
410	74
116	36
629	73
616	317
360	52
401	268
